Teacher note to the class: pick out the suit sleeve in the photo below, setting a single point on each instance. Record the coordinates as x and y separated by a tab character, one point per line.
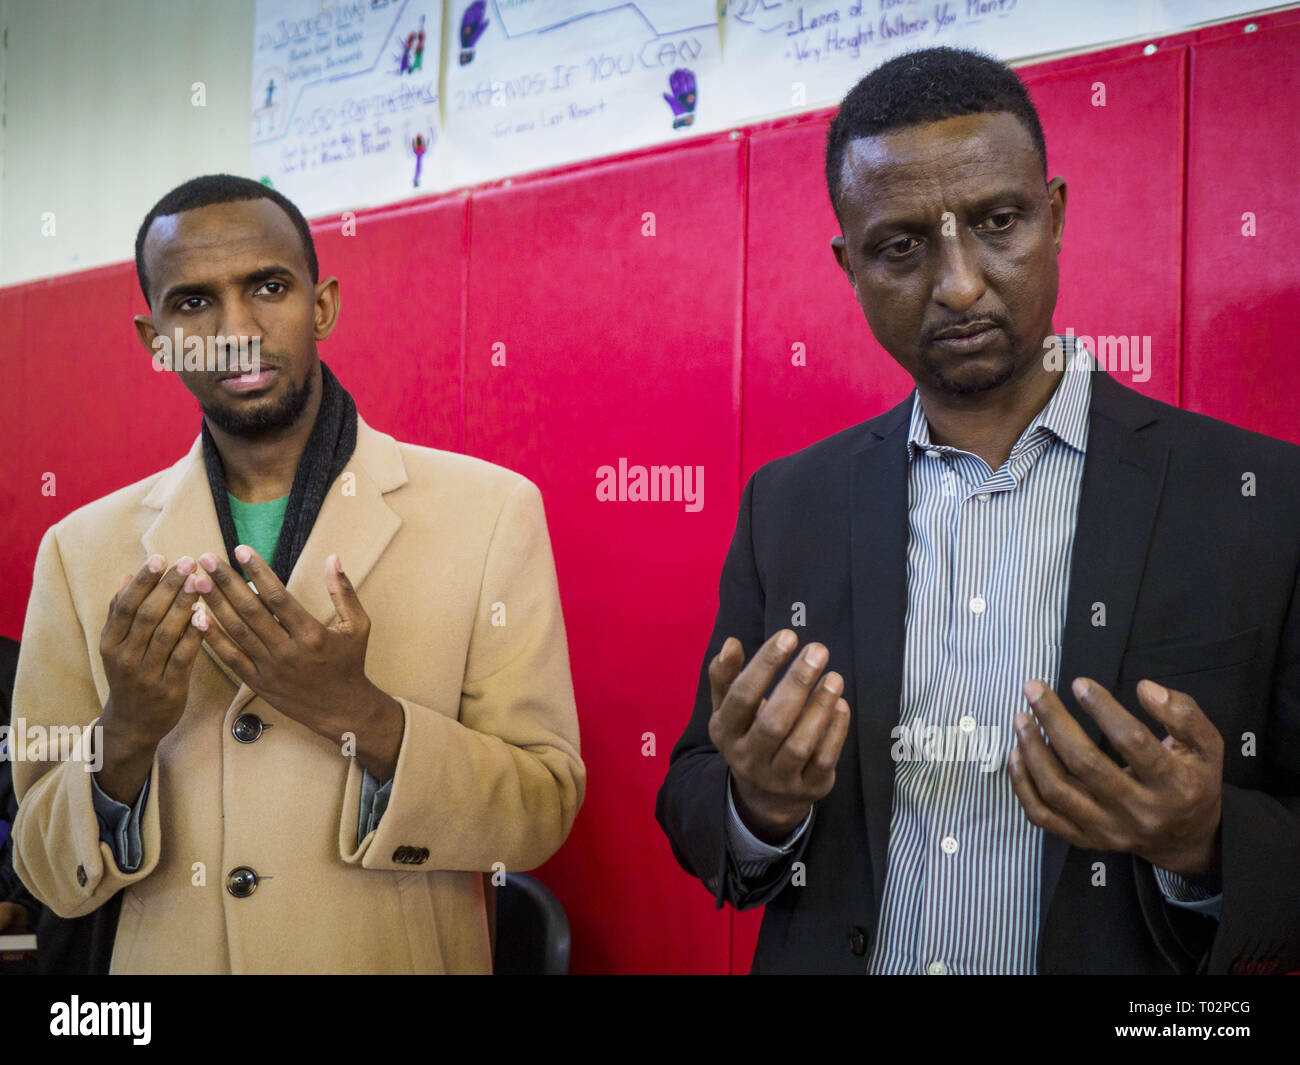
1260	921
58	852
504	782
693	800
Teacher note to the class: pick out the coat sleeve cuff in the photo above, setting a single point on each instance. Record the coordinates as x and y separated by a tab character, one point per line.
58	850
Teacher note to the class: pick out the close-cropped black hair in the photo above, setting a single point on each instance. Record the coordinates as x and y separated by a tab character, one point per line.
926	86
221	188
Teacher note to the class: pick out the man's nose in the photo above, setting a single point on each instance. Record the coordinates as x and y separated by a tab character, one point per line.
237	320
959	283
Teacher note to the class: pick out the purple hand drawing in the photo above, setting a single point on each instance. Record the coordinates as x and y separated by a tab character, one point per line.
472	25
682	99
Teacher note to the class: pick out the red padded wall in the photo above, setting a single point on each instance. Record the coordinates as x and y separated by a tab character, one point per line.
1243	291
83	403
1121	254
675	349
620	345
397	344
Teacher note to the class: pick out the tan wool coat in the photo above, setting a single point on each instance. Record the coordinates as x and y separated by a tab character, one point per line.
451	559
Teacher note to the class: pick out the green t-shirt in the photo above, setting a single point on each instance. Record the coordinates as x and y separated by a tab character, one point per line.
258	524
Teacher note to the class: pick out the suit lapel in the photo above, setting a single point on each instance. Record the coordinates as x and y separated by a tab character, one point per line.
1123	477
354	522
878	561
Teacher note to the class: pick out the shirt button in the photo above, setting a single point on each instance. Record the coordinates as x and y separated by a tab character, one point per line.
967	724
932	454
247	728
241	882
983	497
936	968
949	845
977	605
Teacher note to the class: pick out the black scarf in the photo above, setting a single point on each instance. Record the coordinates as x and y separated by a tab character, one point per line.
330	446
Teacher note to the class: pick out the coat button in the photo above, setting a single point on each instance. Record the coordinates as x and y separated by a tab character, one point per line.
858	940
241	882
81	876
247	728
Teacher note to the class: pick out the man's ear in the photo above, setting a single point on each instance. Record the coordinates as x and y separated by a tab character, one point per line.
327	307
1056	198
841	252
145	330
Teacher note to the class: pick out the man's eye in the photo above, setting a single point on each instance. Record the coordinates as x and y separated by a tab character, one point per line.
279	287
1003	220
189	303
901	247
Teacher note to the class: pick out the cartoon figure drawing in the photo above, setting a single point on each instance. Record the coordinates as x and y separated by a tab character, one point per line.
419	146
472	25
419	48
270	91
682	100
413	51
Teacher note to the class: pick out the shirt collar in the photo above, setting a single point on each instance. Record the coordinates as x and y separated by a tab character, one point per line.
1065	415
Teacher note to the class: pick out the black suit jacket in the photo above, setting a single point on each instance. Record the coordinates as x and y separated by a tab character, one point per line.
1200	585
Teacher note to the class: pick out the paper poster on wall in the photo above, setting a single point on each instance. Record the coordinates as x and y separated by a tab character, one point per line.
794	55
536	83
345	101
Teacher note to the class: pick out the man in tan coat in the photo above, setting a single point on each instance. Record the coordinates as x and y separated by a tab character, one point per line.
310	766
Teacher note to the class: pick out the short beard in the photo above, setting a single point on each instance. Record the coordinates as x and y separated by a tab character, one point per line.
259	419
941	383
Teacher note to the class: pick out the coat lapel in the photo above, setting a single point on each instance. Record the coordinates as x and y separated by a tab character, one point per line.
354	522
878	549
1123	477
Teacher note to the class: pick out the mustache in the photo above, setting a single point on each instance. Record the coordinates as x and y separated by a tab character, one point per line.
983	319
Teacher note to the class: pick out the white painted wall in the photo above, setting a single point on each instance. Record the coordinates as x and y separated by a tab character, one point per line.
98	120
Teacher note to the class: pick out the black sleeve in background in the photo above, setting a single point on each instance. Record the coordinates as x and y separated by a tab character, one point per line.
77	947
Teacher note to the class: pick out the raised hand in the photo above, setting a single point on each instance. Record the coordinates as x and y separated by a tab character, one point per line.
1165	805
148	648
310	672
782	751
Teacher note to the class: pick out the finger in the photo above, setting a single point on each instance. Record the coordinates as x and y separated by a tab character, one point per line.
1087	762
112	603
1063	794
1182	718
225	648
774	722
151	612
121	611
819	774
173	624
724	669
186	649
272	593
736	714
352	615
800	745
1036	810
1131	739
233	603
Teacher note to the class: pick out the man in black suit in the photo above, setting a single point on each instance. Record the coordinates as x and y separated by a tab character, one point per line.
1062	733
